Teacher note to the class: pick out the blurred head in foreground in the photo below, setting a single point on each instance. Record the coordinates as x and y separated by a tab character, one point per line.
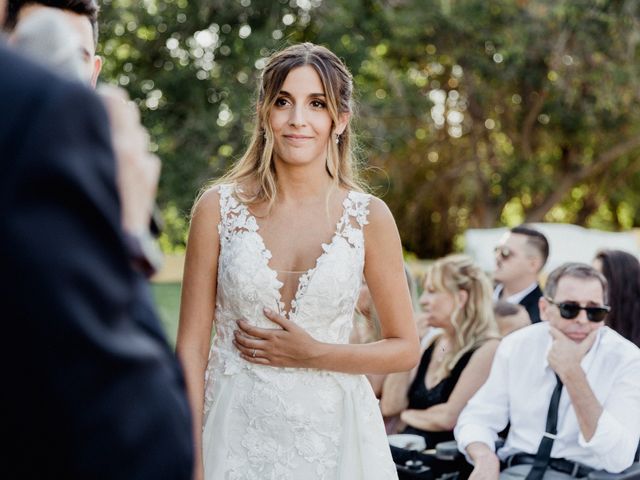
81	17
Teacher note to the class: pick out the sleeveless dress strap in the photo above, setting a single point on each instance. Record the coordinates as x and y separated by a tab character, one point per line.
354	218
234	215
358	207
226	198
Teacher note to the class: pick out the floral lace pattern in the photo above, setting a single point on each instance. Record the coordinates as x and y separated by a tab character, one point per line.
266	423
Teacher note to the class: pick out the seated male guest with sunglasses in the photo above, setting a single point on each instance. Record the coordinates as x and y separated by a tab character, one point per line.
568	386
520	256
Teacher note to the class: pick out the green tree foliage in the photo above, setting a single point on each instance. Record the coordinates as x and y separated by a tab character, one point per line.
472	113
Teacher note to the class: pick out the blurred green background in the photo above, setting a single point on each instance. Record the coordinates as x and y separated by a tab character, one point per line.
167	297
470	113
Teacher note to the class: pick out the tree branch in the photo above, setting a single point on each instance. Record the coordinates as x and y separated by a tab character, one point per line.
571	179
529	123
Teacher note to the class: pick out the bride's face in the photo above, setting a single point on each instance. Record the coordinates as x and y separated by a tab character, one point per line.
299	119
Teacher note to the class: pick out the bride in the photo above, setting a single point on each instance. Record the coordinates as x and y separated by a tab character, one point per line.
275	258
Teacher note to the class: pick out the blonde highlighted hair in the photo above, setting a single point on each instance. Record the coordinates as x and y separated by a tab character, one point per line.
256	167
474	322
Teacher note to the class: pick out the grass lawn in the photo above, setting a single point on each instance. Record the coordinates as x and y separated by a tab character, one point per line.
167	297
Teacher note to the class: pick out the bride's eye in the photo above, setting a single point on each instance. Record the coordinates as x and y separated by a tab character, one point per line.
281	102
318	104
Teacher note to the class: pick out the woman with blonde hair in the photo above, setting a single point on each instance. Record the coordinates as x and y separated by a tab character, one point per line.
457	299
276	255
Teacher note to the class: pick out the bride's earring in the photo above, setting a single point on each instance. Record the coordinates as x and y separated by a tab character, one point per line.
337	138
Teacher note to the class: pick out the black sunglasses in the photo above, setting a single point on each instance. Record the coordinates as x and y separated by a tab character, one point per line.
504	251
571	310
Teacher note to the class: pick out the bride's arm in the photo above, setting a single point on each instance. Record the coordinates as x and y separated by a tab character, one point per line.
399	348
197	308
394	399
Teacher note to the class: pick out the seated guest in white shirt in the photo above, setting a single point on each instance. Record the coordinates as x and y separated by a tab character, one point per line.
520	255
598	415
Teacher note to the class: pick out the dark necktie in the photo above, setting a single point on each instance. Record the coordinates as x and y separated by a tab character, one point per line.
544	450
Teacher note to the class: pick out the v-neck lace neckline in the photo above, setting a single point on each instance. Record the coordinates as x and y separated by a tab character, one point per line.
305	275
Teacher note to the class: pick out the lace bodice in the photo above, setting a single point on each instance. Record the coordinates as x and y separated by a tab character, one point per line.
326	294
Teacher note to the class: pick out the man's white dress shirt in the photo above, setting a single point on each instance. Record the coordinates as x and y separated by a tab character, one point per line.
519	389
516	297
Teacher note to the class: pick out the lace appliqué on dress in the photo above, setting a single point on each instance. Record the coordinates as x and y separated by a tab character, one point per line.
266	423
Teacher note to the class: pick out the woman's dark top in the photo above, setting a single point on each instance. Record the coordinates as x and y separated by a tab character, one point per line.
421	397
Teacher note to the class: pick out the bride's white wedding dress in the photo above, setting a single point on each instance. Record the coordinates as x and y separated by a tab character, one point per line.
266	423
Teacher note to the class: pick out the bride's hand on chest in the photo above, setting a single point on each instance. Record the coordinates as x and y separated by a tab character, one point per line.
290	346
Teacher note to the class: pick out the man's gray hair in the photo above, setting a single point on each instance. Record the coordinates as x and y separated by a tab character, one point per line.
575	270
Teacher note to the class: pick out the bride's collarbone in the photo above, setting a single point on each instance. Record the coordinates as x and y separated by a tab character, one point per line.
297	231
313	205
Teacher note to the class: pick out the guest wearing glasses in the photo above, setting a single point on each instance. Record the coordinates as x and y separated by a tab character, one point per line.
520	256
569	387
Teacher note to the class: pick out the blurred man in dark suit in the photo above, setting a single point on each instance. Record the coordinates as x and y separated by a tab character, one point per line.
520	256
81	17
91	387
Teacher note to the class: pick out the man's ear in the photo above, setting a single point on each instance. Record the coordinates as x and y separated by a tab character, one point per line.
535	263
543	305
343	121
97	66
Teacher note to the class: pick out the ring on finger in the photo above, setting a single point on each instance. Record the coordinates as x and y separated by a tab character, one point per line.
253	353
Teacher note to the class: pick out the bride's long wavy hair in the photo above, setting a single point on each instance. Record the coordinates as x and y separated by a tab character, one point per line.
474	321
256	167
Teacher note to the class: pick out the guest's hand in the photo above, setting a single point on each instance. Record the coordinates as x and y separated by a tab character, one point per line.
290	346
565	354
138	170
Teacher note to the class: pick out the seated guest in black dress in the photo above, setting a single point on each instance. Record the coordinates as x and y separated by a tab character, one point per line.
457	299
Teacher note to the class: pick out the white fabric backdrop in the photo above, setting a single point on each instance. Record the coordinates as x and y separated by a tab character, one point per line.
568	243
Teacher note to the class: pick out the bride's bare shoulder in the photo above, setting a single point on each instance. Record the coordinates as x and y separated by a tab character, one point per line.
380	215
206	207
